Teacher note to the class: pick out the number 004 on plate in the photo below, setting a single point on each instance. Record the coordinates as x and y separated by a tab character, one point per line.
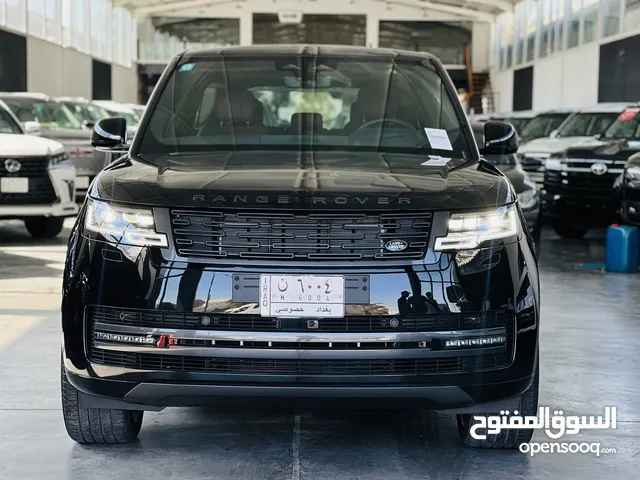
301	296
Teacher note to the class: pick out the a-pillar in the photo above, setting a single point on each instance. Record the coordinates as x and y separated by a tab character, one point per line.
373	31
246	28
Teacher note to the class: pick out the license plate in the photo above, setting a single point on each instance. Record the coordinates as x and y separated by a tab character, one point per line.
301	296
82	182
14	185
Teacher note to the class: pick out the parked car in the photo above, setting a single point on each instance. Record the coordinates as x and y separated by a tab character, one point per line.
544	123
579	183
519	119
628	191
84	110
36	179
139	109
525	188
391	267
58	123
582	126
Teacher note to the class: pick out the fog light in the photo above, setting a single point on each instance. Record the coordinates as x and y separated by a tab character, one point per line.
476	342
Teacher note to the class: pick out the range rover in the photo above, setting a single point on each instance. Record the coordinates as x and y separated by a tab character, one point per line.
579	182
229	258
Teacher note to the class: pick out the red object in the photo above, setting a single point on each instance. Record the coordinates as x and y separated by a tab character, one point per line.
615	225
161	342
628	114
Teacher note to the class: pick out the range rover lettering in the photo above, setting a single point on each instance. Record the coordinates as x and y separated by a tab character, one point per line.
579	183
244	253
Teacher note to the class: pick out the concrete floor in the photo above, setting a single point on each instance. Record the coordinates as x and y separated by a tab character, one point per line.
590	341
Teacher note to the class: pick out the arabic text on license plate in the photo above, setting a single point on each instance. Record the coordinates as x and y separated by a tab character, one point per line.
301	296
82	182
14	185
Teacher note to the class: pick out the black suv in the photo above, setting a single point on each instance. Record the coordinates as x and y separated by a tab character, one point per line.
579	183
245	256
628	191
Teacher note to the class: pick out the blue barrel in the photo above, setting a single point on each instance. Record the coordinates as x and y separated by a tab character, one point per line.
623	249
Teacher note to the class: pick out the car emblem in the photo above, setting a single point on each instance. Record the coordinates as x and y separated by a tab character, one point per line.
599	169
396	245
12	166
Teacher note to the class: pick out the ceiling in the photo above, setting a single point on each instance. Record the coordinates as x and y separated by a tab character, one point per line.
478	10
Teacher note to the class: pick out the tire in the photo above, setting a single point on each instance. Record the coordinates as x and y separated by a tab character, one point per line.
44	227
505	439
96	425
568	229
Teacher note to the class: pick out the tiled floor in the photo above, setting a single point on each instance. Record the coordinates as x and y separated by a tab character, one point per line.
590	341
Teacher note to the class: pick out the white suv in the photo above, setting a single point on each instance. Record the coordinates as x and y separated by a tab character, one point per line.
37	179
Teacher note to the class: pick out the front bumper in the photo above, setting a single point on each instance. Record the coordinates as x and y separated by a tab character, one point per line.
591	210
62	178
630	212
254	361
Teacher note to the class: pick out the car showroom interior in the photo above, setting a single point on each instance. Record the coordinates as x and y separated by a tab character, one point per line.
319	239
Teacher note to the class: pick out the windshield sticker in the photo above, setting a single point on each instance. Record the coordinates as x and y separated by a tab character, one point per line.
438	138
435	161
628	114
187	67
633	144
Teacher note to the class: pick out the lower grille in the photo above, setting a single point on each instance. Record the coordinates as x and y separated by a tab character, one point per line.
582	183
41	191
420	366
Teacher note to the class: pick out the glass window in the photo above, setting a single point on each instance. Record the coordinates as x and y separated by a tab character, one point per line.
543	124
506	40
627	125
632	15
573	24
591	20
7	123
317	103
521	21
50	115
532	25
518	123
587	124
545	32
611	17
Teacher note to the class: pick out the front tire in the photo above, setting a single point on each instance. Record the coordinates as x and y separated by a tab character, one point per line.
44	227
505	439
96	425
569	229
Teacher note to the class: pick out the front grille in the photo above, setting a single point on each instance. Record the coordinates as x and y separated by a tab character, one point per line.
256	323
41	191
582	183
417	366
289	236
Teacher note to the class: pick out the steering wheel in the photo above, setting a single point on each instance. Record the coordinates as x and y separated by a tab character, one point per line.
370	123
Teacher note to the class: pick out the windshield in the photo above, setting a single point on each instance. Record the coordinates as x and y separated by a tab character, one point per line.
518	123
543	125
627	125
133	119
300	102
87	112
7	123
50	115
587	124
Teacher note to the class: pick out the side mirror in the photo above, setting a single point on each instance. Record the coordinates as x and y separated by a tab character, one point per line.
499	139
597	136
553	134
32	128
88	124
110	134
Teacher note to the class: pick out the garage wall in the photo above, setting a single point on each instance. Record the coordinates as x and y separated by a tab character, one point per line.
124	84
546	77
503	87
57	71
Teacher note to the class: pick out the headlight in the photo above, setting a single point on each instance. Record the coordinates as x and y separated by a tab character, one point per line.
127	226
468	230
59	159
528	199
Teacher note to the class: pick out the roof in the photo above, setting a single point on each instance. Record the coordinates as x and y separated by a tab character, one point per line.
611	107
308	49
34	95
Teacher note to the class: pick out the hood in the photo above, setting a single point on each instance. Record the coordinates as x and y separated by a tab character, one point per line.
551	145
28	146
68	135
321	181
518	178
614	150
